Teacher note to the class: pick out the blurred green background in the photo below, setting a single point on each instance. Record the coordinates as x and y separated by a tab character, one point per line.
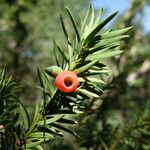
27	30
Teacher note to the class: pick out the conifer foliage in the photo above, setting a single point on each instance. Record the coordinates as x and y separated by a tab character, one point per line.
83	58
9	116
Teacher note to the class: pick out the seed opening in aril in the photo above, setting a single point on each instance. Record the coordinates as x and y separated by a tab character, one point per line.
68	82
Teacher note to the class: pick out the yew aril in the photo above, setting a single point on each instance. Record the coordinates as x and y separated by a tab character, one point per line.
67	81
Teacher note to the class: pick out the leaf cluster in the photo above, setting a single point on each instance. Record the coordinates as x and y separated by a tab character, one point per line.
83	56
8	111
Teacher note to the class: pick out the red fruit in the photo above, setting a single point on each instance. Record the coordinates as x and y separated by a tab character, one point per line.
67	81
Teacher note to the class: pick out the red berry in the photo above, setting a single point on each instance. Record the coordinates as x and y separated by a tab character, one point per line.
67	81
